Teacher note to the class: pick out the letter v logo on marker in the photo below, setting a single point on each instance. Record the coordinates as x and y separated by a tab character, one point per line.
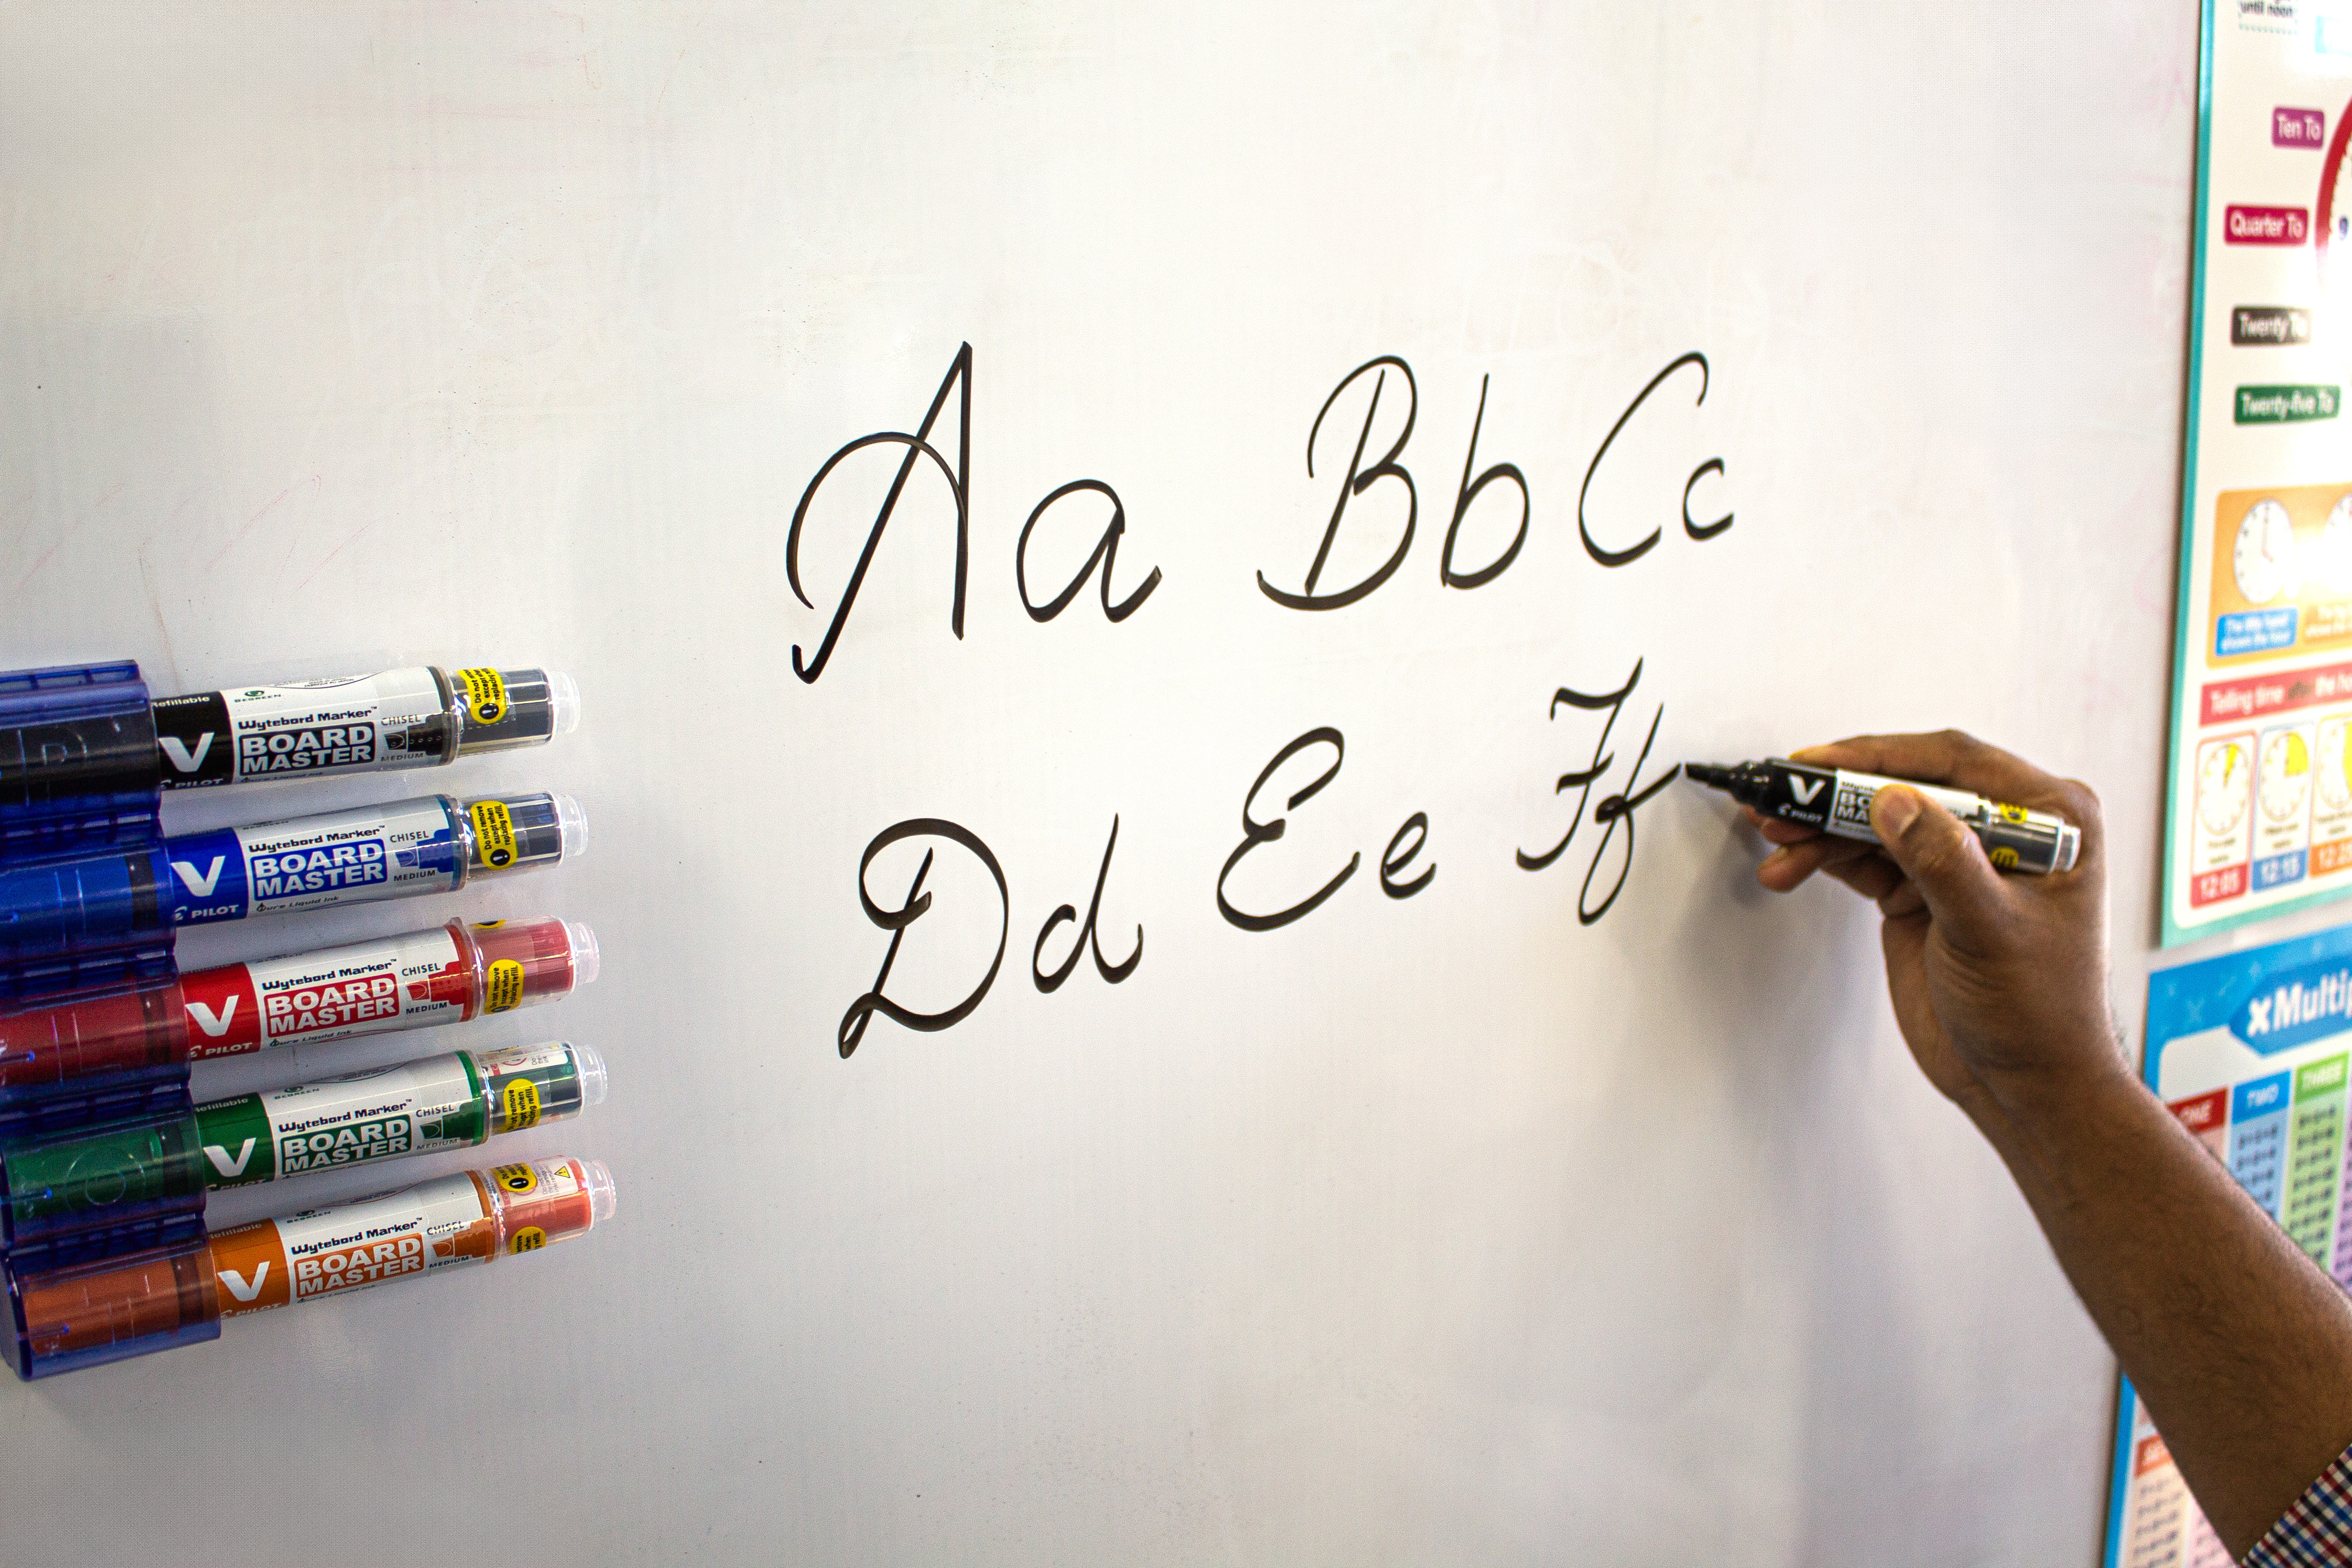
184	760
236	1282
201	886
1804	789
212	1023
228	1167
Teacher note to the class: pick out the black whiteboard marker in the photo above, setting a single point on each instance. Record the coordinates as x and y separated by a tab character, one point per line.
1838	802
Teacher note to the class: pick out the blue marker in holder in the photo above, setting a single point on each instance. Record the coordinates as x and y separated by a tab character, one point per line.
89	903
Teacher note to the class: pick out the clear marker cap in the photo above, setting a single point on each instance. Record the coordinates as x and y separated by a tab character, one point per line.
571	824
602	1196
548	1201
590	1062
499	710
563	702
587	961
556	957
512	832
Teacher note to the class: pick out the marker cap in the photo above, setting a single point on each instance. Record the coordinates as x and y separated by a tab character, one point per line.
530	1086
557	957
520	831
564	1197
591	1064
537	706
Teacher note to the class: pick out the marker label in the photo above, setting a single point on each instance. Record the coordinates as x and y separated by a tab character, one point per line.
325	1252
486	695
415	1107
494	834
315	863
355	725
411	980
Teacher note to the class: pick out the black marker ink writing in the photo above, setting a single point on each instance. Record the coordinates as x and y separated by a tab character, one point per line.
1468	492
1612	809
895	921
1087	936
1399	855
1358	479
1255	833
1584	779
1642	546
1105	555
918	445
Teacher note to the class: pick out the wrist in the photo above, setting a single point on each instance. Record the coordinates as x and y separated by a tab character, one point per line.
2057	1111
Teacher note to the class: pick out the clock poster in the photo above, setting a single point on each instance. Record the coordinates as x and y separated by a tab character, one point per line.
2259	817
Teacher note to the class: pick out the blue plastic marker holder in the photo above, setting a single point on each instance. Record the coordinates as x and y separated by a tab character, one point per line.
78	777
78	760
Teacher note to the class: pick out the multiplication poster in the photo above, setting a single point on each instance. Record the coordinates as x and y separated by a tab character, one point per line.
2259	814
2252	1051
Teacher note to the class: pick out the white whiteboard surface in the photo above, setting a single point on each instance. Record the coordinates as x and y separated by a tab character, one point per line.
1443	1228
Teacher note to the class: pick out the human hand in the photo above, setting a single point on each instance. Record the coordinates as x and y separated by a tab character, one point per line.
1999	982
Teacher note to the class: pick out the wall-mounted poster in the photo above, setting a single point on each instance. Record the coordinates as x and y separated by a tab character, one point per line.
2260	817
2252	1051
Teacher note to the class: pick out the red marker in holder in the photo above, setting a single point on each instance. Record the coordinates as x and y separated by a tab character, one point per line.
445	974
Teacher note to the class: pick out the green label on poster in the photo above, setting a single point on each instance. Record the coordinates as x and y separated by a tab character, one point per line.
2286	404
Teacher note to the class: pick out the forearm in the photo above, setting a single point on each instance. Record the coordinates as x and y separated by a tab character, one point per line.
2240	1345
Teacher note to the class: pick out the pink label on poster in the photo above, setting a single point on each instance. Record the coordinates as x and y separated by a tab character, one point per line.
2298	128
2266	226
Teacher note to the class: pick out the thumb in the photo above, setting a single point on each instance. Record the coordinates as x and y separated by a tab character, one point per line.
1942	859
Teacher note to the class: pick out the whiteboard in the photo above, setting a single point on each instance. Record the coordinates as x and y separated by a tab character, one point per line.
1447	1226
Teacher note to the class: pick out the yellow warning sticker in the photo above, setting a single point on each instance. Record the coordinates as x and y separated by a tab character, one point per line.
486	695
530	1238
520	1100
494	834
515	1179
505	988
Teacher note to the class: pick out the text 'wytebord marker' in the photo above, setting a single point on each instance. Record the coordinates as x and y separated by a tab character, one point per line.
1838	802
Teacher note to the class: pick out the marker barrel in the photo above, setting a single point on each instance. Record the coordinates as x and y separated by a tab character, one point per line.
433	844
1838	802
135	1171
86	1314
444	974
413	718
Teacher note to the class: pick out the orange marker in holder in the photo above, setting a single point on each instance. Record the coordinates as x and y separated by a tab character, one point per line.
86	1314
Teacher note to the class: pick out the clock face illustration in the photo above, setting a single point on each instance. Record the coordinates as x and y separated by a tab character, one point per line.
2334	204
2335	546
2286	775
2221	787
2334	765
2264	559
